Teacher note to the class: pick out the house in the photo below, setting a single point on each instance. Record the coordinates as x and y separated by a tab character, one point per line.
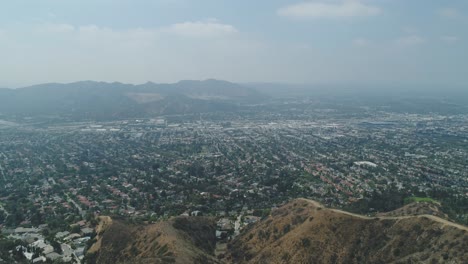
196	213
46	248
72	236
53	256
39	259
20	230
60	235
87	231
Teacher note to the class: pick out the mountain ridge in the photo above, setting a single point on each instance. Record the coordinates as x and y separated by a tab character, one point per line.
102	100
303	231
300	231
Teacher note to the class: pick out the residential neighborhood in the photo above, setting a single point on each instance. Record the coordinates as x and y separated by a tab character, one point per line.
57	178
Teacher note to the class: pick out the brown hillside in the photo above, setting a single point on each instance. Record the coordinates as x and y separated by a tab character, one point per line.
104	223
303	231
417	208
179	240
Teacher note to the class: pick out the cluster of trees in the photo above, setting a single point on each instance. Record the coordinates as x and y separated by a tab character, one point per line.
7	245
380	201
455	206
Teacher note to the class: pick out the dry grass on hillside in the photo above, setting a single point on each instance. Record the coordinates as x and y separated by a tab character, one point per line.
303	231
179	240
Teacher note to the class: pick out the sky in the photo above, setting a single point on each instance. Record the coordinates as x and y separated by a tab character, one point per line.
288	41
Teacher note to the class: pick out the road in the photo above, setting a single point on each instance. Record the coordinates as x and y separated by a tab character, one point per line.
432	217
82	213
7	214
237	225
3	173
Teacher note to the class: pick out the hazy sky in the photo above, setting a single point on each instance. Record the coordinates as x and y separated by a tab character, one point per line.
316	41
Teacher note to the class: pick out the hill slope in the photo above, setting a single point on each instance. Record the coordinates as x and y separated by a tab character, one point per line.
417	208
303	231
179	240
100	100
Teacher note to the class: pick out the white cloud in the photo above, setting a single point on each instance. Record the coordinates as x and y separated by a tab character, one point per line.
90	29
140	54
448	12
361	42
93	35
52	15
127	55
449	39
204	28
55	28
410	30
412	40
343	9
208	28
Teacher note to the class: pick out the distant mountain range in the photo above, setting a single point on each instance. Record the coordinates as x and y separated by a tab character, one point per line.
89	100
101	100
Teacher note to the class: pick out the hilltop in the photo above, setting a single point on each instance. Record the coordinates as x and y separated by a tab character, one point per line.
417	208
179	240
106	101
303	231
